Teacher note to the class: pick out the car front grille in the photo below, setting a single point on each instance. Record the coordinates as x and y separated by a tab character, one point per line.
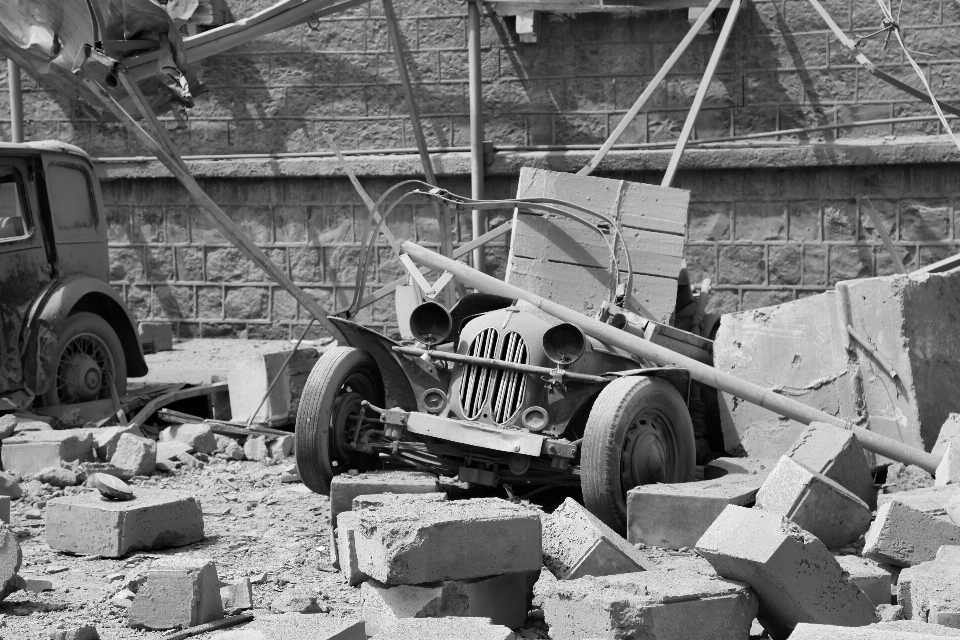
506	388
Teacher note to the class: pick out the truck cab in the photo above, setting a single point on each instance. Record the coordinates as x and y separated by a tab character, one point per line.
66	336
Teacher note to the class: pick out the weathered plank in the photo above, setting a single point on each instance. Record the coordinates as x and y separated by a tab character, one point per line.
558	239
584	289
654	208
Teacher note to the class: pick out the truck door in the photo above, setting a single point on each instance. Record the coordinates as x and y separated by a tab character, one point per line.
79	227
24	269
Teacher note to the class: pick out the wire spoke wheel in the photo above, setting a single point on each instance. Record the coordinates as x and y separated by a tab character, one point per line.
89	358
328	420
639	432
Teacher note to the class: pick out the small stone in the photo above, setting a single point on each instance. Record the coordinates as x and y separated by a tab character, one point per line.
34	585
258	578
86	632
136	455
237	597
167	466
199	437
110	487
189	461
281	447
234	451
255	448
58	477
9	486
123	599
71	419
8	424
296	600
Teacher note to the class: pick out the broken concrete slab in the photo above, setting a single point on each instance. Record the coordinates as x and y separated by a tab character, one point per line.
837	454
199	437
948	471
676	515
806	631
10	559
750	466
445	629
576	544
297	626
929	500
875	579
105	440
504	600
903	537
136	455
901	314
794	576
281	447
85	632
663	603
8	424
178	593
815	503
345	487
930	592
30	452
915	626
378	500
91	525
406	544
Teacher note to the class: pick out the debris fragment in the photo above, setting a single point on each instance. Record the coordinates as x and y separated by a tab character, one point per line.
58	477
86	632
178	593
903	537
297	600
445	629
135	455
874	578
237	597
836	454
930	591
198	437
256	448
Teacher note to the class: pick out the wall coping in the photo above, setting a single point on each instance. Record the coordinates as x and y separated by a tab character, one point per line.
844	153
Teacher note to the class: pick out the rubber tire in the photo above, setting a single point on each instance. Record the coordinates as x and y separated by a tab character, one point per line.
313	450
612	413
84	322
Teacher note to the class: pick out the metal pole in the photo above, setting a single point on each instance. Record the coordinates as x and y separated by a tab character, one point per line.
478	218
752	393
702	92
16	101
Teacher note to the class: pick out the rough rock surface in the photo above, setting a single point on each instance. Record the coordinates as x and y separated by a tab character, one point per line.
198	437
930	592
136	455
445	629
178	593
903	537
836	454
875	579
930	500
10	559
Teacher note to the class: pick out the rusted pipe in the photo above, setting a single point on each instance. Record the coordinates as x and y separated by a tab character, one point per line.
700	372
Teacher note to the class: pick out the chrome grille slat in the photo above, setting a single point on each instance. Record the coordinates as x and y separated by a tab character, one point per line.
475	378
511	385
502	388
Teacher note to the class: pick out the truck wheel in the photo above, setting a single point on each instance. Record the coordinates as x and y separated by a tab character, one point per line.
327	417
88	354
638	432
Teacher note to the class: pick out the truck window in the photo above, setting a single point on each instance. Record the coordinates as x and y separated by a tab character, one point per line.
71	197
13	224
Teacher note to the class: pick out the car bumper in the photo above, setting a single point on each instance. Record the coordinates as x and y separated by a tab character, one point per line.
478	434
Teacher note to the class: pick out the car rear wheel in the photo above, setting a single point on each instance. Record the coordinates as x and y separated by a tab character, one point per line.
639	432
329	410
89	355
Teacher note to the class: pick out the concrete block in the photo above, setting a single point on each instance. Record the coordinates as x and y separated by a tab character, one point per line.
948	471
8	424
807	631
792	573
375	501
903	537
676	515
10	559
9	486
915	626
929	500
949	553
906	477
776	348
32	422
237	597
91	525
159	334
172	450
815	503
930	592
178	593
136	455
662	604
576	544
297	626
198	437
345	487
445	629
105	440
346	548
874	578
504	600
406	544
837	454
281	447
749	466
249	381
949	433
28	453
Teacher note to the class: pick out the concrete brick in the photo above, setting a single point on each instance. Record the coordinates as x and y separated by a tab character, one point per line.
503	599
445	629
815	503
806	631
794	576
178	593
105	440
576	544
948	471
28	453
297	626
949	432
136	455
663	603
917	627
930	500
676	515
873	578
251	378
9	486
750	466
903	537
90	525
10	558
930	592
237	597
198	437
345	487
836	453
405	544
172	450
159	334
768	347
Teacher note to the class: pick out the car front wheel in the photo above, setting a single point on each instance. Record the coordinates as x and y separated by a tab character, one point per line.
89	357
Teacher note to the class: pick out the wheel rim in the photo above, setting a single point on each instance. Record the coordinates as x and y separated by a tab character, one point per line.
650	451
343	417
84	369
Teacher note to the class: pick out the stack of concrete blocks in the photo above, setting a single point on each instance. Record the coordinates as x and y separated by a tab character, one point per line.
800	349
476	558
178	593
249	380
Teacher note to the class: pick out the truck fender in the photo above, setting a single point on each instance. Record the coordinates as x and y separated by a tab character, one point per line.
49	313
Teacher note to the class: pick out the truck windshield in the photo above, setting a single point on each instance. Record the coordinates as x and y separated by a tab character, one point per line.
12	223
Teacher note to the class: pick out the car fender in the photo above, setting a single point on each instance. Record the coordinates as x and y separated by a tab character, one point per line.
49	313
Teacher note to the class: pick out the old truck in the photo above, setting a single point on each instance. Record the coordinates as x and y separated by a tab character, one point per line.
498	393
66	336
